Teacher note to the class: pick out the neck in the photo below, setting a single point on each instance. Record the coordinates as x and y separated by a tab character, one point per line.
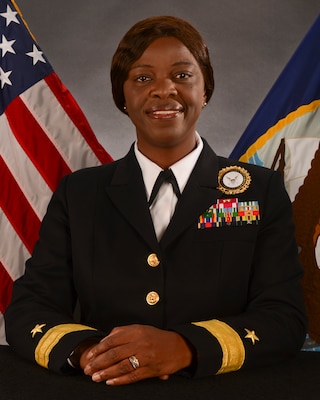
164	157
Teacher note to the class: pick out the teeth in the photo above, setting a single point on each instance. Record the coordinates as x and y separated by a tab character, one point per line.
165	112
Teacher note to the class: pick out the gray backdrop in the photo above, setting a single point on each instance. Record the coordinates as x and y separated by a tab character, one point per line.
250	42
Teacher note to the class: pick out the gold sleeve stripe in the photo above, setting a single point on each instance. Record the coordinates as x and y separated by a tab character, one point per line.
230	342
51	338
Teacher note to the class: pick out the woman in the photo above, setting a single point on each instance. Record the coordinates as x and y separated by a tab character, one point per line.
199	278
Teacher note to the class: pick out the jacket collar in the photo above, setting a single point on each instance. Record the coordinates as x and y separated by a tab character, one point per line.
128	194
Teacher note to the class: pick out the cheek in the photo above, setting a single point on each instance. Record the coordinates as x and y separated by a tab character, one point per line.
133	100
128	92
198	97
125	93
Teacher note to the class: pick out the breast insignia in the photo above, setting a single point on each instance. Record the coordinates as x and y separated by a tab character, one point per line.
233	180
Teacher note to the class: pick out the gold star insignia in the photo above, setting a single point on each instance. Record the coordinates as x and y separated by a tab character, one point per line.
251	335
37	329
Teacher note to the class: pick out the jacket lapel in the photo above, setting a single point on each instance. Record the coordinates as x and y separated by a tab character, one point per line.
127	193
199	194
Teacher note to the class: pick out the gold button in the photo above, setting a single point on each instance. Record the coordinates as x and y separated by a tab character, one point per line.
153	260
152	298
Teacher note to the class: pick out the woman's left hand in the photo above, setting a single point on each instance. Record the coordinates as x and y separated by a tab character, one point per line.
157	352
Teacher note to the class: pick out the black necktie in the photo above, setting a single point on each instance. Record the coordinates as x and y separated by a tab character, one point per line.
164	176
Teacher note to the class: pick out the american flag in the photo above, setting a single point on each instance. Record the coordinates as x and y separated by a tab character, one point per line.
43	136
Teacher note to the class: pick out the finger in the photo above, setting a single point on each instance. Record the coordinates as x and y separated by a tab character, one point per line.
127	379
116	357
132	378
124	367
103	361
117	337
105	344
164	377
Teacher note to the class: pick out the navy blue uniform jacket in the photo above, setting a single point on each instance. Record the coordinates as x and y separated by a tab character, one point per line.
233	291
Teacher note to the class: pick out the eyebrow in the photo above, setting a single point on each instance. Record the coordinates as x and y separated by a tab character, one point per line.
152	66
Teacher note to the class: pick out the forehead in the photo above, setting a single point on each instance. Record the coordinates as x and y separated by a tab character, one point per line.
167	49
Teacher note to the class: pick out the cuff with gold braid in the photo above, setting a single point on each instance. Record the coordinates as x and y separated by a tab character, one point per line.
233	351
59	336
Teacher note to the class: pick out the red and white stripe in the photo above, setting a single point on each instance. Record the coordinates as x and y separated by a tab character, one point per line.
44	135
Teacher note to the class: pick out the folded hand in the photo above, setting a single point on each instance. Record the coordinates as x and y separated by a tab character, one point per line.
159	354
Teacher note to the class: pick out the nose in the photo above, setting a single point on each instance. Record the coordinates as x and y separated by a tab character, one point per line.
163	88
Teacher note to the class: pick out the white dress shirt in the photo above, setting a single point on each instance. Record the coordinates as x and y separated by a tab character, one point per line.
165	202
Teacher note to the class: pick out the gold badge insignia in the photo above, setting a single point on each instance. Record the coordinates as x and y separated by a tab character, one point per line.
37	329
251	335
233	180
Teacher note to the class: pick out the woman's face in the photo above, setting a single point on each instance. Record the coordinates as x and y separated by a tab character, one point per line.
164	95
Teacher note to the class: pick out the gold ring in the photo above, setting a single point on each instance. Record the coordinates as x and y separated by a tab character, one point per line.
134	362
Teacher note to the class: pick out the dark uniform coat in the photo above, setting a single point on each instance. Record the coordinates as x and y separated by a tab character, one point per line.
233	290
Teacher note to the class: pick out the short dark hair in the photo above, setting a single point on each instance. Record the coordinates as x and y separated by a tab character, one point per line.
141	35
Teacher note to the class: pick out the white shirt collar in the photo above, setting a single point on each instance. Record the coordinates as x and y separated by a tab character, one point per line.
182	169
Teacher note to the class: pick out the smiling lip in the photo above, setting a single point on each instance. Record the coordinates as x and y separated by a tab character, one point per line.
164	113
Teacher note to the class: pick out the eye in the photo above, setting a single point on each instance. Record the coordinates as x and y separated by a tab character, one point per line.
183	75
142	78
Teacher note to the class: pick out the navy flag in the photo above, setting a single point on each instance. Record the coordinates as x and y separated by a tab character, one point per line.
284	134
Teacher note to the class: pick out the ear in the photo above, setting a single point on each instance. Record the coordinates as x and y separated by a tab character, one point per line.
204	96
204	103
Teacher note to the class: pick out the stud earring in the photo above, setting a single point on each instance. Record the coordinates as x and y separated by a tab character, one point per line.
204	104
124	108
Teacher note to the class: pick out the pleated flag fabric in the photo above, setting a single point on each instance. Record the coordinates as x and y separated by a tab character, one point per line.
43	136
284	134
